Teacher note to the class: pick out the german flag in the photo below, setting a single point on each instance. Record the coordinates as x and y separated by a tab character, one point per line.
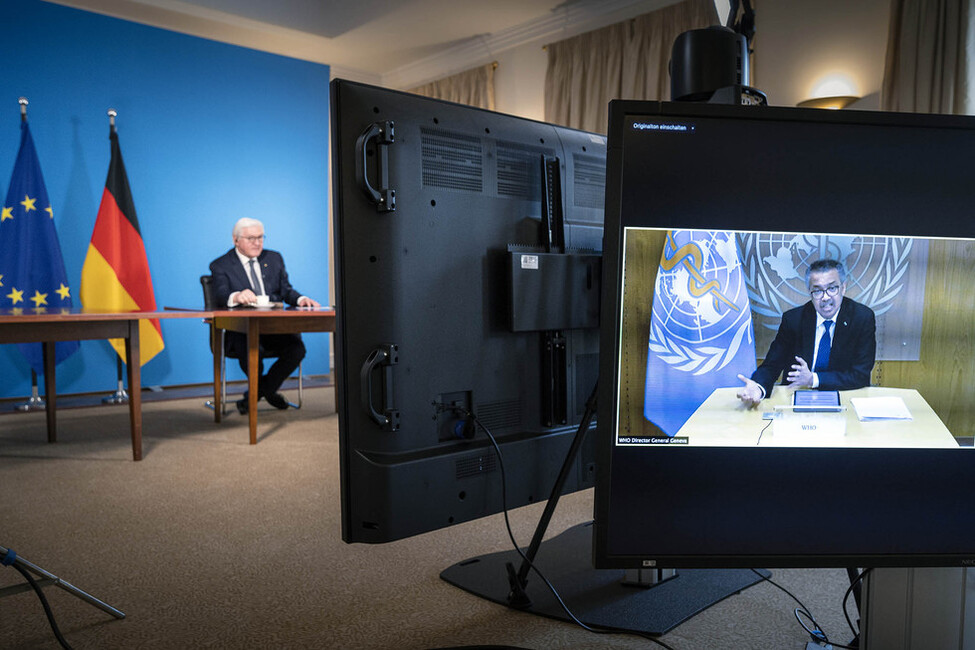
115	276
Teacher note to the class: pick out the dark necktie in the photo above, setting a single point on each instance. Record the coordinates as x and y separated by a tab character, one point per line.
822	357
254	279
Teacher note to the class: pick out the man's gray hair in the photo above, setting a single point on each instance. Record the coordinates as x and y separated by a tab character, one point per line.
246	222
824	266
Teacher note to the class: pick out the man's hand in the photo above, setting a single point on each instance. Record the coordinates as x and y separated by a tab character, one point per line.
751	393
800	375
305	301
245	297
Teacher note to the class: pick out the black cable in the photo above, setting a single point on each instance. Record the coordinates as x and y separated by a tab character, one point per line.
802	606
846	596
817	633
759	441
44	603
514	542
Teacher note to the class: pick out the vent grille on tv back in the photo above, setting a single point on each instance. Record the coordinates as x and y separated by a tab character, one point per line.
589	181
520	170
452	160
499	415
477	464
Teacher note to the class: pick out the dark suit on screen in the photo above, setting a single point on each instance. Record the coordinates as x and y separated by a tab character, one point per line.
852	355
229	277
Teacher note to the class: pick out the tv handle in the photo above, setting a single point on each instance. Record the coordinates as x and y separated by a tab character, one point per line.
382	358
381	361
383	133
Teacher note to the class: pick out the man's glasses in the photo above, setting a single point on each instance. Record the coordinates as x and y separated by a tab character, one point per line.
254	240
829	291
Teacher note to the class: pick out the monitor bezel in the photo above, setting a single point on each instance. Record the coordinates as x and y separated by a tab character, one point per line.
803	472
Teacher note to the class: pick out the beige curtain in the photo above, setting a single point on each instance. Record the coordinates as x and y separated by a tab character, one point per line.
628	60
930	57
473	87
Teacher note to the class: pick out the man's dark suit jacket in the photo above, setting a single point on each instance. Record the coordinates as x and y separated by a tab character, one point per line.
229	276
851	357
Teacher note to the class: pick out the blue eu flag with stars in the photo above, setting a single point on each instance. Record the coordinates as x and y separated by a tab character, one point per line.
32	277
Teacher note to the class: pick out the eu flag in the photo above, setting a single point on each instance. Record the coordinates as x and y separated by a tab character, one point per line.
32	277
701	334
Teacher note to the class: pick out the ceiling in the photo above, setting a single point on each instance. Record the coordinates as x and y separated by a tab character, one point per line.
397	43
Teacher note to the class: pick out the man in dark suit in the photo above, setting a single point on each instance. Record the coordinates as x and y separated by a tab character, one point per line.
241	275
829	343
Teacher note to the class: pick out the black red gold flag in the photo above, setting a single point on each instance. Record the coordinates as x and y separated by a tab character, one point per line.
115	276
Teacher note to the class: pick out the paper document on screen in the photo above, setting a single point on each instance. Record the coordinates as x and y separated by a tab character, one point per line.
880	408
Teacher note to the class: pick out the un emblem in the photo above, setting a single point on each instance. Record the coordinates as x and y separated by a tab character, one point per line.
700	312
776	263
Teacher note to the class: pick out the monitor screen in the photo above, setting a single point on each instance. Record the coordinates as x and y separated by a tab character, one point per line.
788	370
467	253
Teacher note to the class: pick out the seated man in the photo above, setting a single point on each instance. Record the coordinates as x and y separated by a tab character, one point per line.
239	276
836	335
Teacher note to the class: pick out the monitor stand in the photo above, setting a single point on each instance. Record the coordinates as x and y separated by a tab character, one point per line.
599	597
603	598
915	608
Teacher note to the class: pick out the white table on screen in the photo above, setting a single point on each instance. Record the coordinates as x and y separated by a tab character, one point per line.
723	421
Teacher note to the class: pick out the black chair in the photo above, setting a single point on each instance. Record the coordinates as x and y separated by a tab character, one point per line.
217	347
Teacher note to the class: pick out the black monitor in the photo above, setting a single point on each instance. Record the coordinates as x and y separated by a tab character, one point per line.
714	214
467	266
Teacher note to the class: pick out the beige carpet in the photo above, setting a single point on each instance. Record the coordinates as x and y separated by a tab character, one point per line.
213	543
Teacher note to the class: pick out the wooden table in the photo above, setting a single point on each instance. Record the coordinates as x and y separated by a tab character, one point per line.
256	321
47	328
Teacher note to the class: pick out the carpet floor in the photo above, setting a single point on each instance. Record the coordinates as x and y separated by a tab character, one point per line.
210	542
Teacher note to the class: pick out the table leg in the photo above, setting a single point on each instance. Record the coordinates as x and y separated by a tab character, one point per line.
134	368
50	390
253	352
216	336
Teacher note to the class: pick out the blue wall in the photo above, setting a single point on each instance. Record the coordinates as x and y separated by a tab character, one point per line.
209	133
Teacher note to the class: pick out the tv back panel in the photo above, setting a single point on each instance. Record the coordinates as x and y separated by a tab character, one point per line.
467	250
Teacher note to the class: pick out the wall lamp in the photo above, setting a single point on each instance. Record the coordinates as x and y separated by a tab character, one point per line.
835	103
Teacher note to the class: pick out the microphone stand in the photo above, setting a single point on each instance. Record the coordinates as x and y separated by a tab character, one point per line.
10	558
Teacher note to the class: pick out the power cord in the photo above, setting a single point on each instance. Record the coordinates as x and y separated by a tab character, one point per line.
803	614
760	433
511	536
846	596
9	559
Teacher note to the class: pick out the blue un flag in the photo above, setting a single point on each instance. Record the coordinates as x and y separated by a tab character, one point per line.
701	333
32	277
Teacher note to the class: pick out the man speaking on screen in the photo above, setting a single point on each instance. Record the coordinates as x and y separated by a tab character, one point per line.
829	343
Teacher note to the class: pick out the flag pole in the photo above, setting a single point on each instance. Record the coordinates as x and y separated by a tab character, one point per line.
119	396
35	402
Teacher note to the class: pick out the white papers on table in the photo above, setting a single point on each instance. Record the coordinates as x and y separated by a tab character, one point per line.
880	408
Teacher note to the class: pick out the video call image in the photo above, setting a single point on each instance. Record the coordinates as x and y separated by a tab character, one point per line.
795	339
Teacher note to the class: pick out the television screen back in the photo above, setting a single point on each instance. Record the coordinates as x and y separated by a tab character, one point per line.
467	280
